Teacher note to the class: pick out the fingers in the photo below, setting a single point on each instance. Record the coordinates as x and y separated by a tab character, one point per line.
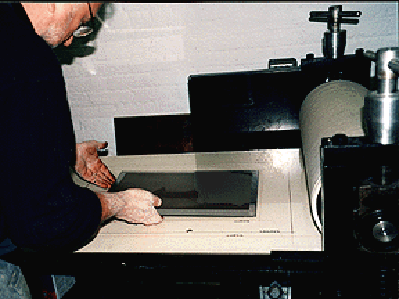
107	174
157	201
90	167
104	174
140	207
156	220
147	217
102	178
151	217
99	174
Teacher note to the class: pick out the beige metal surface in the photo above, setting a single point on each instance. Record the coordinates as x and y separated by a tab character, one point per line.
282	222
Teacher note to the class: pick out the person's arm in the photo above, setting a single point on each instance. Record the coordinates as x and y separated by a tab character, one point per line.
134	205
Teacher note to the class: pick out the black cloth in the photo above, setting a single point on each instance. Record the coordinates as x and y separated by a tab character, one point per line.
41	209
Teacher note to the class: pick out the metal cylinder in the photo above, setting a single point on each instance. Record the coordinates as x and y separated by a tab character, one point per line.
387	79
334	44
381	107
381	117
394	65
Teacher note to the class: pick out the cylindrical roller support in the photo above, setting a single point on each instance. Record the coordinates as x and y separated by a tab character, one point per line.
387	78
381	117
381	107
394	65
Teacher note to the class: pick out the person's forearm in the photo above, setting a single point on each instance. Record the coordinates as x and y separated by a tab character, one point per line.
111	204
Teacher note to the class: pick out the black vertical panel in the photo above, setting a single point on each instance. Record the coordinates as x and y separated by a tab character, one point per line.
239	111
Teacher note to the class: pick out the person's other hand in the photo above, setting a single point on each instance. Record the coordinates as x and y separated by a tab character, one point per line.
138	206
90	167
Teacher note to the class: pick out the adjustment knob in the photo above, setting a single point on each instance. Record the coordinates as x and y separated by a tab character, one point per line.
334	41
335	16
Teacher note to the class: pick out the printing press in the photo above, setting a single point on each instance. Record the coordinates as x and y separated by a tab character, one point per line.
281	191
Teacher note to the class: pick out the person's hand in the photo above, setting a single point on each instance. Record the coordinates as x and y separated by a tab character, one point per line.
90	167
132	205
139	207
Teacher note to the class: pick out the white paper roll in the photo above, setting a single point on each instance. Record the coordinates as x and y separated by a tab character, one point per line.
331	108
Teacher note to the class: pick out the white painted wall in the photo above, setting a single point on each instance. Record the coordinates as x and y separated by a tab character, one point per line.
145	52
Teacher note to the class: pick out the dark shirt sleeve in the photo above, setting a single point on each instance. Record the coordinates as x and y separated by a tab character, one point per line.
43	209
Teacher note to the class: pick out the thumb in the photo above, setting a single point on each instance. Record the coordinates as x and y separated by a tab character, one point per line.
97	144
102	145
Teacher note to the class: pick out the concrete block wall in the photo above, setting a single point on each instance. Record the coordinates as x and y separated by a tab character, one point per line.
145	52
